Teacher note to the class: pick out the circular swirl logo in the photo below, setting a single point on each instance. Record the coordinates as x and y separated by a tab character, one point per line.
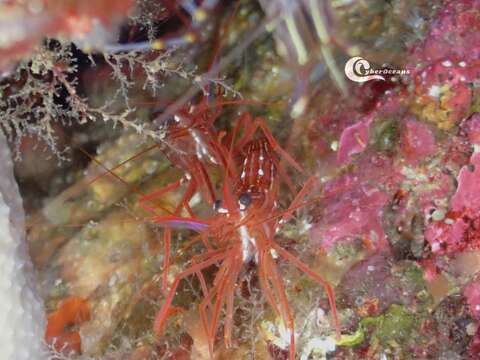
358	69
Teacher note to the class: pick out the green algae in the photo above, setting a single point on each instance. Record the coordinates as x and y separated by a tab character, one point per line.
386	133
395	326
354	339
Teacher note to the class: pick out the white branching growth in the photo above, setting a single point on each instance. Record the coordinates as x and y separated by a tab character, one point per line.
42	92
29	98
156	68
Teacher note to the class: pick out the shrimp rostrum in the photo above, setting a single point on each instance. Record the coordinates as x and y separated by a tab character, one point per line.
243	231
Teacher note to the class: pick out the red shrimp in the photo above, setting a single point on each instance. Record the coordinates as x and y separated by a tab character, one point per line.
243	231
192	145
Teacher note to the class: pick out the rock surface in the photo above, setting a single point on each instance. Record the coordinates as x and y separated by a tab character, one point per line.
22	316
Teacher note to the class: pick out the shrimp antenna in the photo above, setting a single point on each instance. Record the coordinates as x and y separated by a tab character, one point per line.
224	62
133	188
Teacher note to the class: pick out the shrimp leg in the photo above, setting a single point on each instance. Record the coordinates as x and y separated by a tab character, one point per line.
298	199
218	293
230	293
304	268
162	315
287	316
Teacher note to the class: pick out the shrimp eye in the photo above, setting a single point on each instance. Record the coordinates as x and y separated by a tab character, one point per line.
244	200
217	205
165	124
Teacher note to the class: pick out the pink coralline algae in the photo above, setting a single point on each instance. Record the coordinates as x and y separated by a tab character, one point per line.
461	228
445	65
442	89
353	140
467	196
452	29
353	204
472	129
472	294
357	214
418	140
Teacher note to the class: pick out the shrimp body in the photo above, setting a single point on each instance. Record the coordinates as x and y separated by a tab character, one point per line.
242	231
255	191
192	145
258	183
